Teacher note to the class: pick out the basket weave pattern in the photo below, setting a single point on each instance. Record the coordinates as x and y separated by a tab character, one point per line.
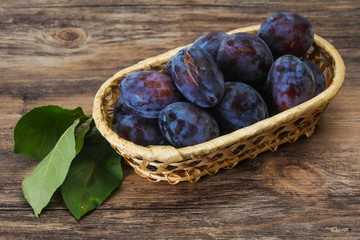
167	163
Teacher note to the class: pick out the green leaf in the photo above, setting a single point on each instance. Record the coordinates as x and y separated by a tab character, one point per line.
50	173
93	175
84	132
38	131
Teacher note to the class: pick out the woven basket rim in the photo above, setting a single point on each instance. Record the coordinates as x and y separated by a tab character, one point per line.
171	154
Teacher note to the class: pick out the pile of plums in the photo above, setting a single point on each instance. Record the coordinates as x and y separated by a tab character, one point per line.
220	84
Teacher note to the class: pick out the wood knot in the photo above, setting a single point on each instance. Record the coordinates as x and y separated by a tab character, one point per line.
297	179
69	37
68	34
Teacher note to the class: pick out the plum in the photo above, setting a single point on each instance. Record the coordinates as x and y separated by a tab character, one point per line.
197	76
240	107
320	82
139	130
147	92
287	33
210	42
246	58
184	124
289	83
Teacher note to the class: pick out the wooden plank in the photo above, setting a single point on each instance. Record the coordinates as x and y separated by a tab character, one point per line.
61	52
189	223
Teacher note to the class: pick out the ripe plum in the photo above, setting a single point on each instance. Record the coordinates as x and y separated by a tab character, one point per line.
197	76
320	83
147	92
289	83
287	33
121	108
240	107
210	42
184	124
139	130
246	58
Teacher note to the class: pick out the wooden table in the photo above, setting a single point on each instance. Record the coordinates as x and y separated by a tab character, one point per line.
60	52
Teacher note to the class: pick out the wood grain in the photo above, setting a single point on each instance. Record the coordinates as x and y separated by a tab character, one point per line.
60	52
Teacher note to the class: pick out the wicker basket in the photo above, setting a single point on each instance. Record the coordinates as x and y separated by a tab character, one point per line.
171	164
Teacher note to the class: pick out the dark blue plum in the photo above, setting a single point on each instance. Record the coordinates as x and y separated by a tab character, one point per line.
246	58
320	82
184	124
240	107
147	92
210	42
168	68
287	33
289	83
197	76
121	108
139	130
